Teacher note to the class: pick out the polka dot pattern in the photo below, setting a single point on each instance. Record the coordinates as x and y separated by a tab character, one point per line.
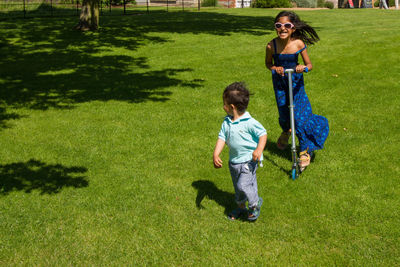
311	129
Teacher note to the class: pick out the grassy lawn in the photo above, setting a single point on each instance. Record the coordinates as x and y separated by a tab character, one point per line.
107	142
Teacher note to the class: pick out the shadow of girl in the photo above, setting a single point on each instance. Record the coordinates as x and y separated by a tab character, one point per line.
272	148
208	189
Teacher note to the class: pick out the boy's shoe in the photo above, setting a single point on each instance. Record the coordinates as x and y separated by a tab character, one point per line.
283	140
236	213
254	212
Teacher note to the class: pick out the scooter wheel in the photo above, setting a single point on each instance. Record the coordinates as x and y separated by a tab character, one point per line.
294	174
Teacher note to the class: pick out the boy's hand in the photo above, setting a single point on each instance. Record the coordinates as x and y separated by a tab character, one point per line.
217	162
257	155
217	151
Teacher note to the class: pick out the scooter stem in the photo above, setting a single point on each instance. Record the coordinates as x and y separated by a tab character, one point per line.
292	124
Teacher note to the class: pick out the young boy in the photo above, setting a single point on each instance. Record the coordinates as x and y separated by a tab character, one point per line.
246	139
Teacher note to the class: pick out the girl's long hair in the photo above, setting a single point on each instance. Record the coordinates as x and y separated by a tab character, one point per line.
303	31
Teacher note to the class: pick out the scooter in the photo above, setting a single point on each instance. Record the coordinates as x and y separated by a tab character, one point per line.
296	171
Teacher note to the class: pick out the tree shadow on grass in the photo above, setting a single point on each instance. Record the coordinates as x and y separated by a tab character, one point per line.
70	67
6	116
36	175
46	64
51	65
208	189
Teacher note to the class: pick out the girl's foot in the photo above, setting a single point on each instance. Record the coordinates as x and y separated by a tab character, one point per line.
305	160
236	213
283	140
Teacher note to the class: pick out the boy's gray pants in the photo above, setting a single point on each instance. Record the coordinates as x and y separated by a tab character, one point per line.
244	180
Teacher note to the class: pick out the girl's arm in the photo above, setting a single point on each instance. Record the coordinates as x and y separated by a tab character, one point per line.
306	60
217	151
268	57
268	61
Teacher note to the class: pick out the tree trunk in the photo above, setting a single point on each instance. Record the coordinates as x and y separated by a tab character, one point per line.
89	17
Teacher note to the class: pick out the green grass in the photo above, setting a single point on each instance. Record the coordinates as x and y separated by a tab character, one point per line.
107	140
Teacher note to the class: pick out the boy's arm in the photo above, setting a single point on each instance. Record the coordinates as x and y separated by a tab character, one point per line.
260	148
219	146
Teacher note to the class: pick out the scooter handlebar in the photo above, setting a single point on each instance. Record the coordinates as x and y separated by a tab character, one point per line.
290	70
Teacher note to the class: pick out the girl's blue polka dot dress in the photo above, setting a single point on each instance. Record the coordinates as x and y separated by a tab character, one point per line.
311	129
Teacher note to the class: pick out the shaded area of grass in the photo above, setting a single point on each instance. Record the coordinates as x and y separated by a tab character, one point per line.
37	175
7	116
54	66
42	73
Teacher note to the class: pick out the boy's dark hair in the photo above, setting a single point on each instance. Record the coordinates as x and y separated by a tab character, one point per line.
238	95
303	31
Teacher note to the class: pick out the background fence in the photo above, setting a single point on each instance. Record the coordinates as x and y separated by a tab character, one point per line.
43	8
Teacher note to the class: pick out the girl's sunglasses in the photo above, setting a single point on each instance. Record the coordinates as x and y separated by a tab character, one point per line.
287	25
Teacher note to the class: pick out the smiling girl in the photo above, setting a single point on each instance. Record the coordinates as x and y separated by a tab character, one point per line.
282	53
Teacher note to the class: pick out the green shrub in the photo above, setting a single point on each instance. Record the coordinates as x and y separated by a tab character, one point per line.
209	3
329	5
307	3
270	3
323	3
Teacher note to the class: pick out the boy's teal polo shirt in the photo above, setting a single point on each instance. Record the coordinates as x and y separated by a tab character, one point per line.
241	136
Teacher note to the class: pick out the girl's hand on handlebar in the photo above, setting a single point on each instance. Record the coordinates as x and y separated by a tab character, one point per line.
300	68
280	71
